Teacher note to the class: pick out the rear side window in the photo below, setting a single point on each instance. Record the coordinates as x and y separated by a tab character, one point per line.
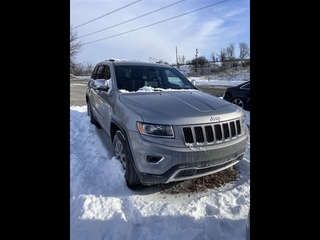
246	86
101	72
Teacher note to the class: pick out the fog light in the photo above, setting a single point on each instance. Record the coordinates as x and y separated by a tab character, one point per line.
153	159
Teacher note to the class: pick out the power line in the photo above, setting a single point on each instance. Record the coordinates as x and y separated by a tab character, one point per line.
107	14
131	19
78	3
154	23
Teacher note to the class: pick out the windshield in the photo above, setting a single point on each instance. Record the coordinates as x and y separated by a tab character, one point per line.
142	78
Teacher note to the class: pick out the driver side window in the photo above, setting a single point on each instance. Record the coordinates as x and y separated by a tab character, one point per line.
106	73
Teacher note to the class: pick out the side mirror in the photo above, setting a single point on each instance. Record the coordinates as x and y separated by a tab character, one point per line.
101	84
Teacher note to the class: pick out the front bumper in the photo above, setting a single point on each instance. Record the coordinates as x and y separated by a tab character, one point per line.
177	164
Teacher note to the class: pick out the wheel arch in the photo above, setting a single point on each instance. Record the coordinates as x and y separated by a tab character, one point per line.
114	128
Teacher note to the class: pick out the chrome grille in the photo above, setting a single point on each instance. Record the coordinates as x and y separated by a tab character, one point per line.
212	133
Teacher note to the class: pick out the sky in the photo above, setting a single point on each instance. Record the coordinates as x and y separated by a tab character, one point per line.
102	207
158	30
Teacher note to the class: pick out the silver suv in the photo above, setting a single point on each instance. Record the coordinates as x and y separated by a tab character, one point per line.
163	129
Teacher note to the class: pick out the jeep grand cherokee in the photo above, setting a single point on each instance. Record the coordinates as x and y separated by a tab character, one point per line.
163	129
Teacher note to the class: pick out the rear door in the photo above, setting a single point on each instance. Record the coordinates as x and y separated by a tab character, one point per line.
103	101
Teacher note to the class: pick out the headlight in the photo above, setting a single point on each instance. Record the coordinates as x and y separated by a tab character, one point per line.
157	130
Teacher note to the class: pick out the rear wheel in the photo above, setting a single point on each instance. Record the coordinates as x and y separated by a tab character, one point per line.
92	119
122	153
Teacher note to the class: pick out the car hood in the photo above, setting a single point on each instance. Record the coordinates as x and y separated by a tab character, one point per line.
179	107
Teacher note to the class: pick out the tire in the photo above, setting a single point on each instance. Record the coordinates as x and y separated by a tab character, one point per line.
239	102
92	119
122	153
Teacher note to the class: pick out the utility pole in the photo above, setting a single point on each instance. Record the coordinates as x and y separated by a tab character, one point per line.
177	57
197	61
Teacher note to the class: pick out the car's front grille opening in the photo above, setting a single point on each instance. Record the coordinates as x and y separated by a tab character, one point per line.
188	136
212	133
209	133
199	134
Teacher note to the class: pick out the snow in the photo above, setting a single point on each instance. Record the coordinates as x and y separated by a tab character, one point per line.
102	207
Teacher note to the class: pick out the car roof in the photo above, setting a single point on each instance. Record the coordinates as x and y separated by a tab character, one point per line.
134	63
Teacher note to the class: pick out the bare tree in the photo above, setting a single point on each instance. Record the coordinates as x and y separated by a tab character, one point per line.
89	68
214	59
230	51
201	62
223	55
244	51
75	48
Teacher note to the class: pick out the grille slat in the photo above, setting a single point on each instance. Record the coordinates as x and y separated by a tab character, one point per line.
212	133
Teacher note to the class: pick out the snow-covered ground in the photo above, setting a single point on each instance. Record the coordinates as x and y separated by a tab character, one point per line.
103	207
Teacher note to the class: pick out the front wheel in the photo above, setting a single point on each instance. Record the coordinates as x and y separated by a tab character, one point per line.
238	101
122	153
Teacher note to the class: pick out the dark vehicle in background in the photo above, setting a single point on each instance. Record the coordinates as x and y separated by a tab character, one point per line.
239	95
